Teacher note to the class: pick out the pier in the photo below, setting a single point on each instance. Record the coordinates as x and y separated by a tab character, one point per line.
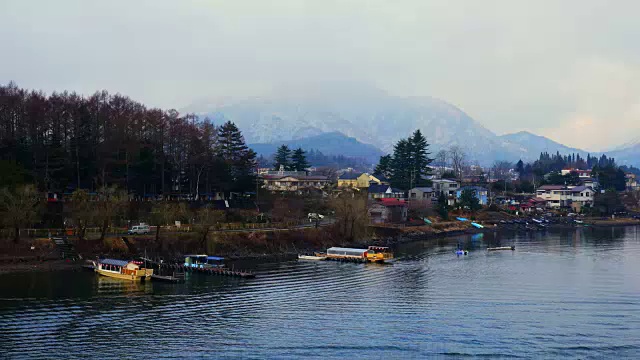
207	271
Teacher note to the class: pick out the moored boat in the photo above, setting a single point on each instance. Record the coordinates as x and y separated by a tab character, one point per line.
378	254
311	257
501	248
125	270
203	261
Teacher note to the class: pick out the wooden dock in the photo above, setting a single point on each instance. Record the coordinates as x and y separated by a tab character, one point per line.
176	268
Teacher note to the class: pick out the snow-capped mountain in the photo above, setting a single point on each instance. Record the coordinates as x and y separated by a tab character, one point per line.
374	117
531	145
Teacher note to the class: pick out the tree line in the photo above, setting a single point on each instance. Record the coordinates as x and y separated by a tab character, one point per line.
65	141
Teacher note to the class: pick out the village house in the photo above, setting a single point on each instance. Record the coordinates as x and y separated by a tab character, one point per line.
421	193
353	180
378	179
590	182
481	193
581	196
631	182
582	174
292	183
384	192
560	196
446	187
556	196
388	211
421	198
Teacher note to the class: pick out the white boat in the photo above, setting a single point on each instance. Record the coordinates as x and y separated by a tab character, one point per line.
311	257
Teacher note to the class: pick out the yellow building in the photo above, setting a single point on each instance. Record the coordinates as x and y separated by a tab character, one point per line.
353	180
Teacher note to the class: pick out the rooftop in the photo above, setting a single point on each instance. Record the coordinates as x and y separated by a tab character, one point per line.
551	187
378	189
581	188
349	176
423	189
474	188
392	202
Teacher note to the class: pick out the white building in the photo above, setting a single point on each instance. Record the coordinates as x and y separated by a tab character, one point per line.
560	196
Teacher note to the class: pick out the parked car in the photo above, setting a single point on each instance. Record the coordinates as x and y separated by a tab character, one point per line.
314	216
139	230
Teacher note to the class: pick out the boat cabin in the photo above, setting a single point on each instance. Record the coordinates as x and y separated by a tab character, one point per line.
379	253
203	261
340	252
122	269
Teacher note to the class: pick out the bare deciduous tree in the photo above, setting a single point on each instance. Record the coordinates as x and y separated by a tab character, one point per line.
458	158
441	159
108	204
205	220
19	207
351	214
82	212
163	213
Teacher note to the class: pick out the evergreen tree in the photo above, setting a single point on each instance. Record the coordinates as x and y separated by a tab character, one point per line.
443	206
384	166
409	163
282	158
520	167
469	200
420	160
239	160
299	160
402	165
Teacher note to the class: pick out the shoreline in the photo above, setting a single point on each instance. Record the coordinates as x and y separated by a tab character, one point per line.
36	263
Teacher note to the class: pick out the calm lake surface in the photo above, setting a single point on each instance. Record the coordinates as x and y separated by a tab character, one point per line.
572	294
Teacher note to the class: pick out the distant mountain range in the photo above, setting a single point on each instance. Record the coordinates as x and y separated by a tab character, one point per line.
531	145
356	120
333	143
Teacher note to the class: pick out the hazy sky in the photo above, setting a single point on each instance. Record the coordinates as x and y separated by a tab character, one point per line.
567	69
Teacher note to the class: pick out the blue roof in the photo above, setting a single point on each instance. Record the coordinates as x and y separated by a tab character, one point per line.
380	177
475	188
215	258
114	262
378	189
349	176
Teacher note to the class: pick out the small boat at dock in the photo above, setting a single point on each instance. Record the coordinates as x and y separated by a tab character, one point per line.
501	248
312	257
377	254
175	278
203	261
125	270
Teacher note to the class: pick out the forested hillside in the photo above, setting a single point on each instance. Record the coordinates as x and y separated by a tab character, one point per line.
63	141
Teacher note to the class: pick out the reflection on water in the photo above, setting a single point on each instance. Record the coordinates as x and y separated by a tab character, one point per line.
570	293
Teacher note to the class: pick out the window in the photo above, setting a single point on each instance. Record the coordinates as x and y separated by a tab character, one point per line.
413	195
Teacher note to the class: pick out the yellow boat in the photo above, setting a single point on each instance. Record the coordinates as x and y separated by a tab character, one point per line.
377	254
125	270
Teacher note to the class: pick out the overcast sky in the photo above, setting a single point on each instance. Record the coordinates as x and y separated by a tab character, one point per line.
567	69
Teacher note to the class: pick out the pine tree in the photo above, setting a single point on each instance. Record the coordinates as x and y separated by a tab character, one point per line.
520	167
282	158
299	160
239	160
384	166
418	148
401	165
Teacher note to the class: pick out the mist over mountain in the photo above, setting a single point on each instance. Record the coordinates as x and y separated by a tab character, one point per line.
370	116
531	145
333	143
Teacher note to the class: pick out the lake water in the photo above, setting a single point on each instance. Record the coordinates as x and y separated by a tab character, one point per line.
562	294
